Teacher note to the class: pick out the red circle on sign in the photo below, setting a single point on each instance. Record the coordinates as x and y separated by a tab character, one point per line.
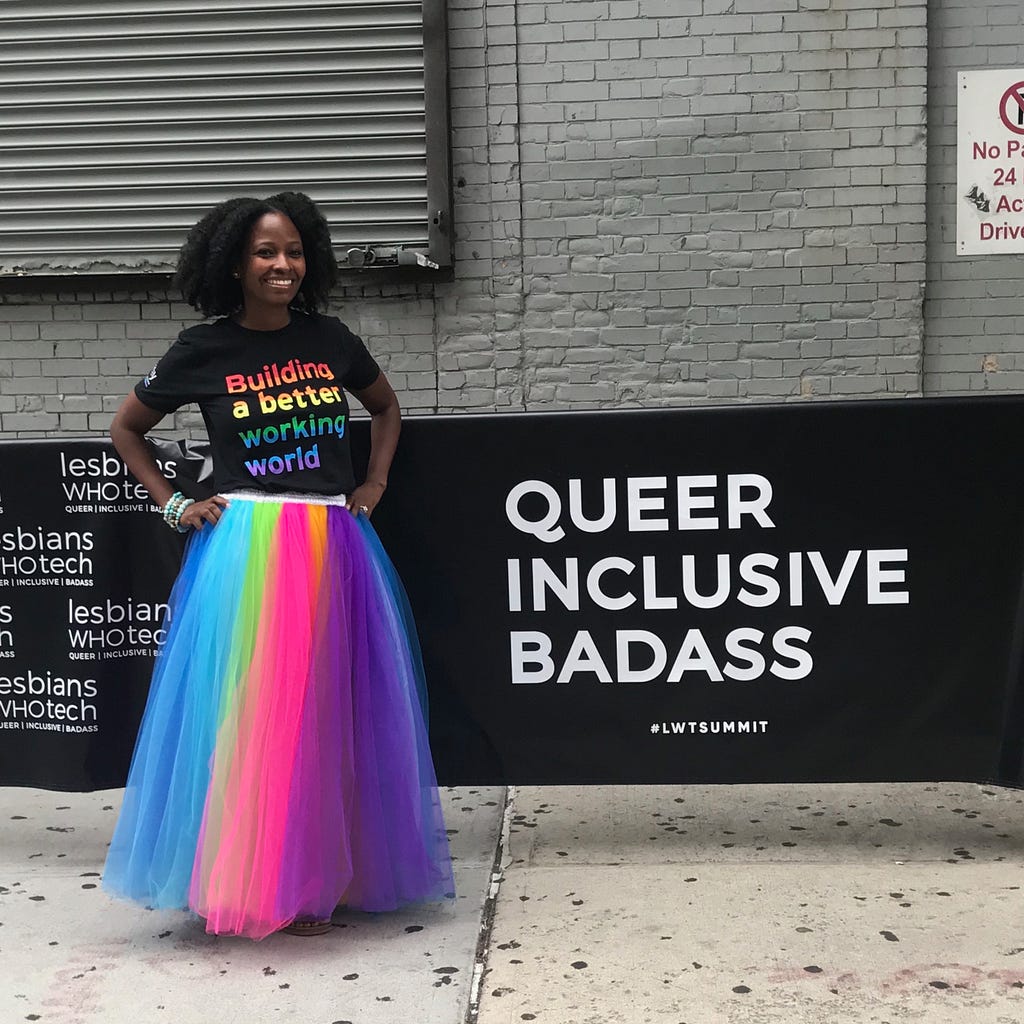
1013	97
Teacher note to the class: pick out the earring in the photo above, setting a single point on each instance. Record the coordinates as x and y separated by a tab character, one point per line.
235	274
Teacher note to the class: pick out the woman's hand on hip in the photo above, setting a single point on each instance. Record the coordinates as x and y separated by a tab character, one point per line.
365	498
199	513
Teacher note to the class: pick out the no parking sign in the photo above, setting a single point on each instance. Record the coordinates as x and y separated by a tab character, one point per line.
990	162
1011	108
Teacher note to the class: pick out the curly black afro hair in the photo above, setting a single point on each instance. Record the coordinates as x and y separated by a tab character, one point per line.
214	249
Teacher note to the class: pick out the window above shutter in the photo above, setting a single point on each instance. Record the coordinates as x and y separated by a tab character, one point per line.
122	122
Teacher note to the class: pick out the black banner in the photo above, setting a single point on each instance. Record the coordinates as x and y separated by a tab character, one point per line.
84	577
829	592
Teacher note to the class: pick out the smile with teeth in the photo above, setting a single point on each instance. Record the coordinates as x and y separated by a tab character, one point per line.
280	282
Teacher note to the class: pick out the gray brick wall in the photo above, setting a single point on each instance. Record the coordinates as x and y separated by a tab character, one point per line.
66	359
656	202
974	315
721	201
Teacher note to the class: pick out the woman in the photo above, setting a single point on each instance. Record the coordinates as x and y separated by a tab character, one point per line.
282	766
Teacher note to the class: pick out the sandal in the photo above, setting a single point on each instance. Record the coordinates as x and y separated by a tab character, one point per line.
308	926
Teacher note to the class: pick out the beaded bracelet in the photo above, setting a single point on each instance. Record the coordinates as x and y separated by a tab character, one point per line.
176	504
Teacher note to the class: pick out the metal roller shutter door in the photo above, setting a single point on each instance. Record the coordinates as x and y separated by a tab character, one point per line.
121	122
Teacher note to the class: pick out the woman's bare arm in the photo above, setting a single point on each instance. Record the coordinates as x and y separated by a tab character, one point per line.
132	422
381	402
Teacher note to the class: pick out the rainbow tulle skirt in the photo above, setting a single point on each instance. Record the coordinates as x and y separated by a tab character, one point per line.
282	765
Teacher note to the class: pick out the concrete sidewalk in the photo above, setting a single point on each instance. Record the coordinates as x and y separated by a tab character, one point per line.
72	955
707	905
675	905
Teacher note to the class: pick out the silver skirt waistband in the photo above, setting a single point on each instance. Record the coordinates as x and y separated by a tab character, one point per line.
286	497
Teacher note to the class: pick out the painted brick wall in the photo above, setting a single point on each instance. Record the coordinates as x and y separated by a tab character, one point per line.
722	199
657	202
974	313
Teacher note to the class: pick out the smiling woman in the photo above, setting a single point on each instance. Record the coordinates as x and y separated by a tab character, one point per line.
282	767
251	258
271	272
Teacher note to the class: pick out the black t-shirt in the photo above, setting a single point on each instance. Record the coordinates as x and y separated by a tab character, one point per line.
272	400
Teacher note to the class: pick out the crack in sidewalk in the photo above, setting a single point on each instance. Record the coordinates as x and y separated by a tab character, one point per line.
483	942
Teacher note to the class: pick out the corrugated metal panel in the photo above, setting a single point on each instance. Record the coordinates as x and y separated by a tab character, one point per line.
121	123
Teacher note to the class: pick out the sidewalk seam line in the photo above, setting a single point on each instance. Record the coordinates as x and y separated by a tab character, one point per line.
483	941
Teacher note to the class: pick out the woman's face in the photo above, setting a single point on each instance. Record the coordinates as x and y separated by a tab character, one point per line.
273	264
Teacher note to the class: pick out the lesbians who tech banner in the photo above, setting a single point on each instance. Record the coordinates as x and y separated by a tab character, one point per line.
828	592
83	590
